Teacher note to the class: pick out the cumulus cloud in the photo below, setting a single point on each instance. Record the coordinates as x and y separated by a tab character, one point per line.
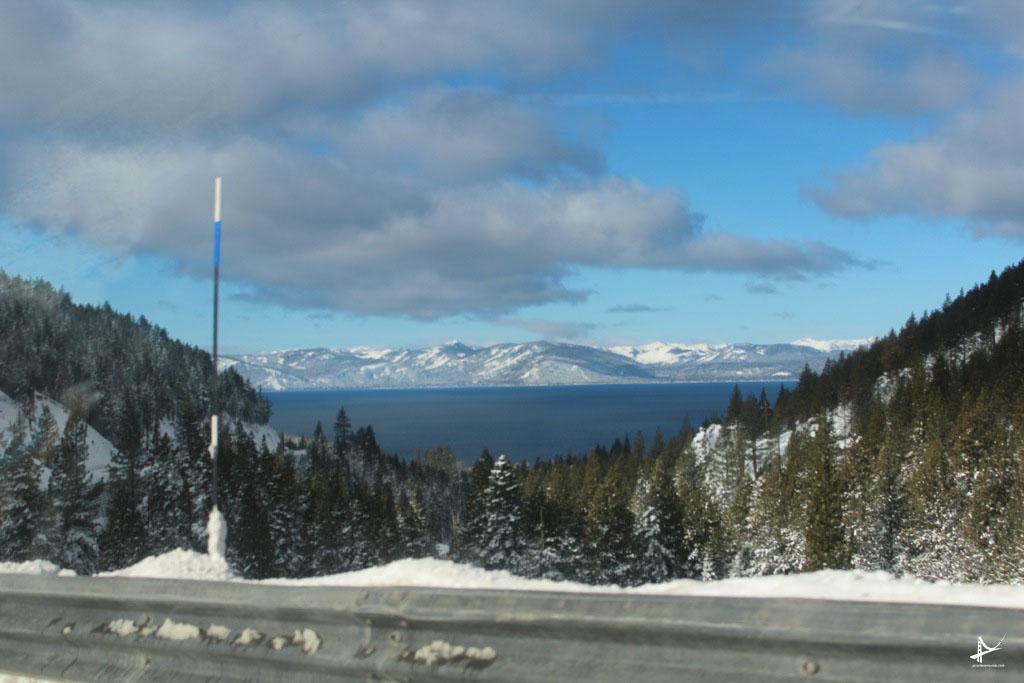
373	159
157	68
326	234
970	167
455	135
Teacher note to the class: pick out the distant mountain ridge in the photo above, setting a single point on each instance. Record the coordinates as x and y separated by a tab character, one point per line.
531	364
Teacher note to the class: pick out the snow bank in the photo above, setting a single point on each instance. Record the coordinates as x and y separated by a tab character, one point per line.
39	567
431	573
830	584
178	564
834	584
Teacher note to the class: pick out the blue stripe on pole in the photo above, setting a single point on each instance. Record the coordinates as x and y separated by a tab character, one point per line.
216	243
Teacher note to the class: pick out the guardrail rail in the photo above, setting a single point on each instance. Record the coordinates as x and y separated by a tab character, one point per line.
118	629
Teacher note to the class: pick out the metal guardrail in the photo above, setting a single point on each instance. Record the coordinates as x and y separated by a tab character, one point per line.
154	630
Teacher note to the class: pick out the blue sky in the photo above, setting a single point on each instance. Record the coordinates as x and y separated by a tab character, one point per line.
404	173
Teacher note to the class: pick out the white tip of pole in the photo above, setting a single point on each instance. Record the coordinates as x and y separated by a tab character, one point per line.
216	535
216	198
214	433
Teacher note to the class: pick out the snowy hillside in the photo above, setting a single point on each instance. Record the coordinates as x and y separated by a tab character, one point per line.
535	363
835	345
100	449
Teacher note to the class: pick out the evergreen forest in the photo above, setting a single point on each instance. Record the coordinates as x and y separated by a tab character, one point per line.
906	456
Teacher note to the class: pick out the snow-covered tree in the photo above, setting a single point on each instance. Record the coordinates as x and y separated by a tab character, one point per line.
608	528
20	497
471	532
166	503
658	531
193	457
412	538
825	546
503	542
73	498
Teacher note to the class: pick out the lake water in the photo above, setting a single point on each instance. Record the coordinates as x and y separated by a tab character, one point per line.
524	423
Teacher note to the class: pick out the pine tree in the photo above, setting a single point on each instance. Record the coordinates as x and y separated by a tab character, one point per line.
737	532
380	528
250	550
503	542
825	545
990	472
935	512
659	527
282	501
124	540
73	497
412	539
318	449
192	454
330	543
857	470
166	504
702	548
776	525
471	532
359	530
557	552
609	528
887	506
342	432
20	497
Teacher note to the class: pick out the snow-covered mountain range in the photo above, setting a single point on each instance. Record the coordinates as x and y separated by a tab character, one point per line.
534	363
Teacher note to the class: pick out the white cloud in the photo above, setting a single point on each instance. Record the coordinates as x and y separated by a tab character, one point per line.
877	56
377	156
970	167
455	135
324	234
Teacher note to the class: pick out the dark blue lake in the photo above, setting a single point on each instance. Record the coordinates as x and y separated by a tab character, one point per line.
524	423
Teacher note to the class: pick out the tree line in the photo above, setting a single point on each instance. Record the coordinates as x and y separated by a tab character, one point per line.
906	456
105	363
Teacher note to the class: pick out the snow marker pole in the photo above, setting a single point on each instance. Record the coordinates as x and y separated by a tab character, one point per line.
214	408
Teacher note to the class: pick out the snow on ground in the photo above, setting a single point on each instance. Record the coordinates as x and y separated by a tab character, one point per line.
261	432
856	585
705	440
178	564
38	567
432	573
100	450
